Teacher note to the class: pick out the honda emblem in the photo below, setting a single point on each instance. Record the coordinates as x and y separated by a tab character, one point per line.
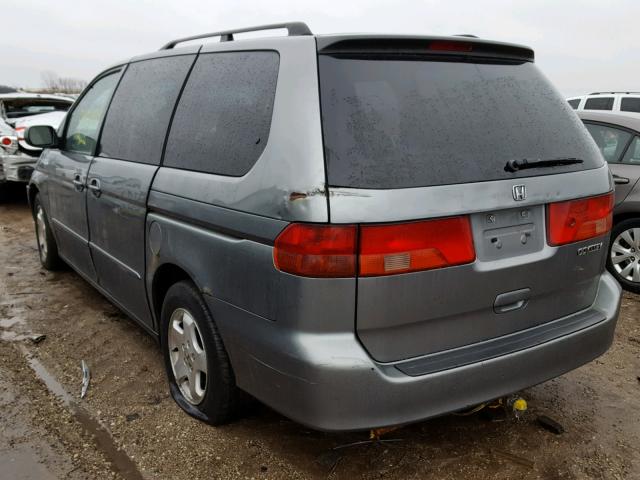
519	192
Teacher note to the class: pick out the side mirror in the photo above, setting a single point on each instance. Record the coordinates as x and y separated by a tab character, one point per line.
41	136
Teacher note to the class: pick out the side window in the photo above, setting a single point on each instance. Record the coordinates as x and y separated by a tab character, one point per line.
611	141
630	104
574	103
599	103
223	119
139	115
83	125
633	152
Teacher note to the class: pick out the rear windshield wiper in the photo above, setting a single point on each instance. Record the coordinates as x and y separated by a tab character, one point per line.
515	165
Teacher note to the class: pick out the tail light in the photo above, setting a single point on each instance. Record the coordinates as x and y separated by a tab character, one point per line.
9	144
410	247
333	251
20	132
317	250
580	219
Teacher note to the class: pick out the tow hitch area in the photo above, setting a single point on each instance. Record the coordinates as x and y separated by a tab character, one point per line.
513	406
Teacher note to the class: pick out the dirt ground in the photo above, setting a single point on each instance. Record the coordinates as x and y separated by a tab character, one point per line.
129	427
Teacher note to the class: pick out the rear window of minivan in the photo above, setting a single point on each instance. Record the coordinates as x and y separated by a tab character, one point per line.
404	121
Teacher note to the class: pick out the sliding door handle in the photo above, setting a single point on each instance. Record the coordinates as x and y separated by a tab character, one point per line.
78	184
94	186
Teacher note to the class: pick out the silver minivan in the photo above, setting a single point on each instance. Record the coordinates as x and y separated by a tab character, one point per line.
358	230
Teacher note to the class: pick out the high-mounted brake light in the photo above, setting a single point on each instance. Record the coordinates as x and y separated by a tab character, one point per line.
317	250
450	46
410	247
580	219
332	250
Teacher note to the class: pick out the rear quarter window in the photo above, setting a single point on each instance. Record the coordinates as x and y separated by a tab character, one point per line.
222	122
139	114
630	104
401	122
599	103
575	103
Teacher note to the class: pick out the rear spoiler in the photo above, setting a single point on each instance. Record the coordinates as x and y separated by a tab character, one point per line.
432	46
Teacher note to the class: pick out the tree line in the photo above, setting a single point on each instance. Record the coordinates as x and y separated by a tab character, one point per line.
53	83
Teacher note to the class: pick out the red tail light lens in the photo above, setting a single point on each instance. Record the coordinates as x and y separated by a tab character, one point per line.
6	141
317	250
577	220
409	247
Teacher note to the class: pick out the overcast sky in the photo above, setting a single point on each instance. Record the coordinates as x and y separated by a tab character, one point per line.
582	45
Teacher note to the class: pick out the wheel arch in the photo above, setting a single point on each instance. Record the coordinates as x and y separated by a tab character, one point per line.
166	275
621	217
32	191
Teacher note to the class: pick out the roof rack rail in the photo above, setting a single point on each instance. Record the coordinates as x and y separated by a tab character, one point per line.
609	93
294	29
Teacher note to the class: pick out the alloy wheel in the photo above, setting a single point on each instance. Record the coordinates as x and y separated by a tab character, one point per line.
625	255
41	233
188	356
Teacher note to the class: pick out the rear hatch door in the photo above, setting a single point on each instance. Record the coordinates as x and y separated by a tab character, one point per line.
412	134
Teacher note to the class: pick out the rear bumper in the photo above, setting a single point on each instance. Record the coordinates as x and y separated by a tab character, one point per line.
17	168
329	382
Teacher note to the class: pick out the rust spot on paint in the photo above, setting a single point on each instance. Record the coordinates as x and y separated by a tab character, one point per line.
297	196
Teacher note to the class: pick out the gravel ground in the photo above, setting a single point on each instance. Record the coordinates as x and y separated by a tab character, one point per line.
129	427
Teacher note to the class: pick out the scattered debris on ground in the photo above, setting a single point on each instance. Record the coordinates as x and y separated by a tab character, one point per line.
550	424
86	378
37	338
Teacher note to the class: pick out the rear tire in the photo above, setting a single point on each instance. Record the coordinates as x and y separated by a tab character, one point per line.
198	368
623	260
47	246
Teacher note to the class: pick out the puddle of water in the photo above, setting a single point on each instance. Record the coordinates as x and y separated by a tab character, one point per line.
118	459
10	322
8	335
21	463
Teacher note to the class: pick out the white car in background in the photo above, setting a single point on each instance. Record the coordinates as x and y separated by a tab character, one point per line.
627	102
17	112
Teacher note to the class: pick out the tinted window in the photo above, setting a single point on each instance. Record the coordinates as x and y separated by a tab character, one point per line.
599	103
611	141
574	103
84	125
407	122
633	152
630	104
222	122
140	112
